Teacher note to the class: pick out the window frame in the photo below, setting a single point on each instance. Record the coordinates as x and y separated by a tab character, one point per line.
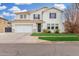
56	26
36	16
25	16
52	26
48	26
21	16
52	17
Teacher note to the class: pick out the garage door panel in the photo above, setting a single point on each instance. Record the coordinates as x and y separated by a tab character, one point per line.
27	28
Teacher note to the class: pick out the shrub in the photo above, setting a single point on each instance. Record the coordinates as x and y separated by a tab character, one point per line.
56	31
46	31
49	31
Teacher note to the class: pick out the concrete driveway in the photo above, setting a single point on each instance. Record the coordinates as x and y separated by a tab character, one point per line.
19	38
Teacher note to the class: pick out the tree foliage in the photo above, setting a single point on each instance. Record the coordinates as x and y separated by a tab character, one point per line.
71	14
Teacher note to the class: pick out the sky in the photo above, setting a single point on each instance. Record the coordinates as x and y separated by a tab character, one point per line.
7	9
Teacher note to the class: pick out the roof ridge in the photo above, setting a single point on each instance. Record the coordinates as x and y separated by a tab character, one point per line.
3	18
30	11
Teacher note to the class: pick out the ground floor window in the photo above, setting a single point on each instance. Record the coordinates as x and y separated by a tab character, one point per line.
48	26
52	26
56	27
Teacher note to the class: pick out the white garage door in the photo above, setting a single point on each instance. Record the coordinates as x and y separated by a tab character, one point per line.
21	28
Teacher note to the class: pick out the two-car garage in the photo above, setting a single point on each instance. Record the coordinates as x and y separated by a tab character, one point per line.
26	28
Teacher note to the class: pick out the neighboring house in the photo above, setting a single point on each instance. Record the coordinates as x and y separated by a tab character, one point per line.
38	20
4	25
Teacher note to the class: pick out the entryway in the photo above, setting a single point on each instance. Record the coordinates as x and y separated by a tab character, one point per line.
39	27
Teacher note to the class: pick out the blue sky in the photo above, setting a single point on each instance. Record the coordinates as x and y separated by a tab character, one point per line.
7	9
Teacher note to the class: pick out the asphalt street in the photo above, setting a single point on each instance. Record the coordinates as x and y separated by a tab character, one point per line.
54	49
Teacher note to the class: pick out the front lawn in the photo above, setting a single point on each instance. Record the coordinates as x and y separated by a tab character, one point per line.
52	34
60	38
57	37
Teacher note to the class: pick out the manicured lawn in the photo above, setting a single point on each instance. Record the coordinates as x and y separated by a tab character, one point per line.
60	38
51	34
57	37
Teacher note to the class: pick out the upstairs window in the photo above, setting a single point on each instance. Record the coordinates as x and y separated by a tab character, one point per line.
36	16
24	16
21	16
52	15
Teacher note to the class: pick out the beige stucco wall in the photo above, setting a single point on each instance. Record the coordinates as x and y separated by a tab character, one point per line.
47	20
17	17
38	12
3	24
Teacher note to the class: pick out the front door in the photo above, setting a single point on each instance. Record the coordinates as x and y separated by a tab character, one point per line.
39	27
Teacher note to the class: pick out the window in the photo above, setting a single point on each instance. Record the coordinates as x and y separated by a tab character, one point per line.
21	16
24	16
52	26
56	26
48	26
52	15
36	16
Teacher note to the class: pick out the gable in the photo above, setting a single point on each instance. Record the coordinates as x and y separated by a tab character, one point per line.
40	10
53	10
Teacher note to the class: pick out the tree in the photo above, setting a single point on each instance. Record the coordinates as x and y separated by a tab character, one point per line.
71	14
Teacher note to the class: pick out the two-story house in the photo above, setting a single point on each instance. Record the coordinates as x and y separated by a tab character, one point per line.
38	20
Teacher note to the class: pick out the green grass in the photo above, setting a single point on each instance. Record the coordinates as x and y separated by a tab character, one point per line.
51	34
57	37
60	38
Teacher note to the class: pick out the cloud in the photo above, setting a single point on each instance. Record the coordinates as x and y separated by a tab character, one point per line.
23	11
60	6
1	16
7	14
2	7
17	9
23	3
14	9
